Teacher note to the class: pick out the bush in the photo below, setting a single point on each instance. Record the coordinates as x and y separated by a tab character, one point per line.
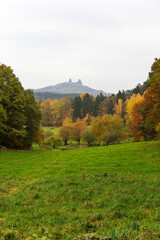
53	141
48	133
113	137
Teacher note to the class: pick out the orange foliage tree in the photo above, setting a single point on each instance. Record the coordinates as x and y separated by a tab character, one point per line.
144	112
79	127
137	122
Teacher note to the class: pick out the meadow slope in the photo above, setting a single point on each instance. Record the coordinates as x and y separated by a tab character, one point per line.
112	191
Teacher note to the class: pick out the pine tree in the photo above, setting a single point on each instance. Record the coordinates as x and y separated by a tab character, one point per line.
87	105
77	108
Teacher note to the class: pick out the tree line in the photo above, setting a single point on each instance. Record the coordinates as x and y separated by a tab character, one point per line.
138	108
136	111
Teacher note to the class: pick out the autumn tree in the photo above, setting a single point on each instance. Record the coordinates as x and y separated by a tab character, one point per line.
79	127
107	106
88	136
87	119
119	107
53	141
105	124
135	98
67	122
47	107
137	122
40	137
144	111
66	133
152	95
55	112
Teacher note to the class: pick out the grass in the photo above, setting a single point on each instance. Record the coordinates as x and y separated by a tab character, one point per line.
113	192
55	130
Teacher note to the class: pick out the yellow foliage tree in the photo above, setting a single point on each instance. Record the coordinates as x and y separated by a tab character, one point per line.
67	121
118	108
105	124
135	98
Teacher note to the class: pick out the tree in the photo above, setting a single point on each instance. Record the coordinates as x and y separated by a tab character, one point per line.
66	133
98	101
15	106
47	107
119	107
12	104
40	137
135	98
144	112
150	110
107	106
67	122
87	105
77	108
121	95
79	127
53	141
137	122
152	95
55	112
106	124
88	136
113	137
33	118
88	119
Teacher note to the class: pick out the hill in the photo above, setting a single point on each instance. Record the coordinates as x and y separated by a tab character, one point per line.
52	96
71	88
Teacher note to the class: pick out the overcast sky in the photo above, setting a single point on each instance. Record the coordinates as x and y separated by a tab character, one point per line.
108	44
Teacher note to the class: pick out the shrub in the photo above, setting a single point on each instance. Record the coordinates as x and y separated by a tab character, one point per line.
53	141
48	133
88	136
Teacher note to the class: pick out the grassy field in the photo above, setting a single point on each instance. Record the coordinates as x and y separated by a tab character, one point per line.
112	192
55	130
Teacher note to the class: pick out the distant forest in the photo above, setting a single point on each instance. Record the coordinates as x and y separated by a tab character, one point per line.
55	111
39	96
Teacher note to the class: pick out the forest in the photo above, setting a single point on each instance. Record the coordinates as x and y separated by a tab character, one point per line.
134	113
128	114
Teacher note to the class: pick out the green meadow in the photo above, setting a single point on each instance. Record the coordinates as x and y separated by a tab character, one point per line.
55	130
102	192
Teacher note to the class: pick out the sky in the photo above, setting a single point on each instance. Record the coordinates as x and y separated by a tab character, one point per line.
109	44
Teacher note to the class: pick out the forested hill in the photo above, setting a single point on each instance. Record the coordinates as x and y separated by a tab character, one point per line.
71	88
52	96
